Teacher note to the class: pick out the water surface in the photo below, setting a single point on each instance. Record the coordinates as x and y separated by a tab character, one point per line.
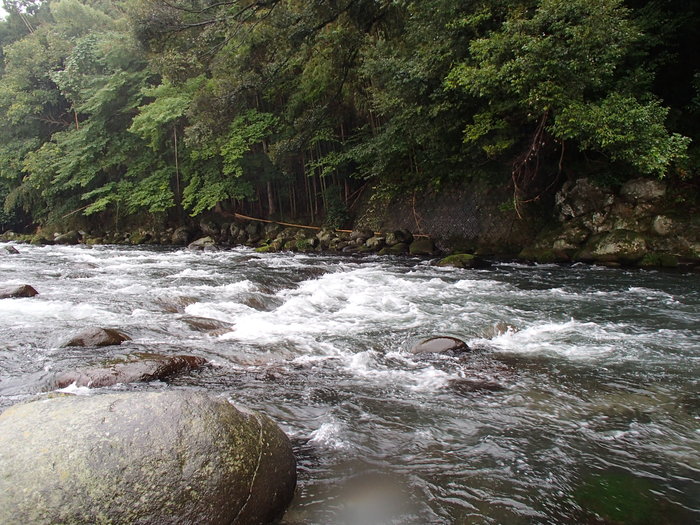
585	410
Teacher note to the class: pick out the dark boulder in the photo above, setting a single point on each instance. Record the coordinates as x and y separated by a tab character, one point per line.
177	457
135	369
22	290
461	260
72	237
422	246
181	236
97	337
398	237
441	345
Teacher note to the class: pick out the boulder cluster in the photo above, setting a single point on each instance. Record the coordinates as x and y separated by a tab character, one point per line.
640	224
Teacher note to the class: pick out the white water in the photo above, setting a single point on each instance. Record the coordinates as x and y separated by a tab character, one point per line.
597	372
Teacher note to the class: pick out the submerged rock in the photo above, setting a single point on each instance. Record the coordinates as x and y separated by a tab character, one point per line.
461	260
9	250
22	290
97	337
176	457
137	368
441	345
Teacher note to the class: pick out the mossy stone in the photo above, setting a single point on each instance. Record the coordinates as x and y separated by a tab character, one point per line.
460	260
142	457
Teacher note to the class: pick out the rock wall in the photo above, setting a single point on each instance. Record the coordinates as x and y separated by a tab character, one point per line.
478	218
643	224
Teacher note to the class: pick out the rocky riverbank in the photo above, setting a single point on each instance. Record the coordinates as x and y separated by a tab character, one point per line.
639	224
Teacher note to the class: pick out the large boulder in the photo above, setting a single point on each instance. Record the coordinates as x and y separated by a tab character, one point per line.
181	236
461	260
619	246
97	337
422	246
72	237
177	457
134	369
201	244
22	290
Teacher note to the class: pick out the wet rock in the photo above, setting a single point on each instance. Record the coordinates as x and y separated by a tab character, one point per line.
201	243
422	246
643	190
659	260
9	250
498	329
619	246
441	345
204	324
398	237
97	337
396	249
375	243
361	235
469	386
461	260
181	236
137	368
149	457
22	290
41	240
175	305
72	237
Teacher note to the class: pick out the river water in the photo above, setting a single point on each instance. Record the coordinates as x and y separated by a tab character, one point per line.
586	409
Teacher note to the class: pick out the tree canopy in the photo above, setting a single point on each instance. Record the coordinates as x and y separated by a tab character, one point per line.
288	108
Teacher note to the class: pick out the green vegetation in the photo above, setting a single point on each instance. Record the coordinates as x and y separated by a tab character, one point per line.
282	108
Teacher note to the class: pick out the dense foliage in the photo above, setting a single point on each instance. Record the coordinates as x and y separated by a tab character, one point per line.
290	108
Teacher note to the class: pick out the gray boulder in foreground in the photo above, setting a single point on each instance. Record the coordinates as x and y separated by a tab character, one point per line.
177	457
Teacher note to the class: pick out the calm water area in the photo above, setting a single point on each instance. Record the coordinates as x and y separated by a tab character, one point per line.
578	403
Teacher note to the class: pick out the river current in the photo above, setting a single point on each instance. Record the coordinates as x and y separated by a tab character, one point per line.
579	402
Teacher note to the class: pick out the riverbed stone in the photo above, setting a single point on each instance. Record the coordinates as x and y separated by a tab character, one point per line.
461	260
135	368
619	246
201	243
97	337
375	243
422	246
72	237
21	290
440	345
399	236
396	249
174	457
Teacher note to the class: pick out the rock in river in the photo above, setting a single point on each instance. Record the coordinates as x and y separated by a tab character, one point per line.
440	345
177	457
97	337
22	290
136	368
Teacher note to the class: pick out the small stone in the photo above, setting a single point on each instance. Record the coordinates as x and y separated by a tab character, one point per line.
97	337
441	345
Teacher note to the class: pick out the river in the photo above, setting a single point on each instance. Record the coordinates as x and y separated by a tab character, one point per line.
586	409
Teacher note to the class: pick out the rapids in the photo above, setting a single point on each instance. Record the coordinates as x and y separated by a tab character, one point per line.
585	410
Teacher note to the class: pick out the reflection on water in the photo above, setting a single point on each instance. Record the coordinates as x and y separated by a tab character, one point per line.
578	404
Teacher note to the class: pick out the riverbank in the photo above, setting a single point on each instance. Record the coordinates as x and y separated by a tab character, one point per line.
639	224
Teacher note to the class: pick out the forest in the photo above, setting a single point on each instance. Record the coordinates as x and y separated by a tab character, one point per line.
169	109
